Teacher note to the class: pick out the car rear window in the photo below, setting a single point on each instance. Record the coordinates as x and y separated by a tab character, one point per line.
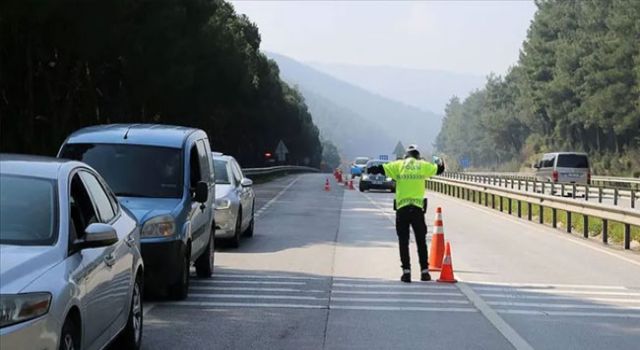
133	170
28	211
572	161
361	161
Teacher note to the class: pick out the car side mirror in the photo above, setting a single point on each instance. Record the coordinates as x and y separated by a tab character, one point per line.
535	166
97	235
246	182
202	192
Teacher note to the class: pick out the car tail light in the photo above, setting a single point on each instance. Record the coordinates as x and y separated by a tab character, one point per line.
554	176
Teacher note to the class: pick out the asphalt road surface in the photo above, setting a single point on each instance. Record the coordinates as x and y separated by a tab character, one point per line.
322	272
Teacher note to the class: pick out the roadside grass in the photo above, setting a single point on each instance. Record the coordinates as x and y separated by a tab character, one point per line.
615	229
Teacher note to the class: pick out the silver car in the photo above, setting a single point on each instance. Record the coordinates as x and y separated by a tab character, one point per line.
235	201
70	266
564	167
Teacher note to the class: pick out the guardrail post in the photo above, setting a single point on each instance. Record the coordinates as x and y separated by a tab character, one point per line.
529	213
554	217
519	204
586	193
627	236
585	226
562	190
493	201
605	231
519	185
599	194
486	199
526	185
615	196
511	183
510	202
633	198
573	195
501	204
541	216
568	222
542	185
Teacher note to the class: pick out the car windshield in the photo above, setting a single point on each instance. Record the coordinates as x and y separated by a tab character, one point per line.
572	161
222	177
361	161
28	208
133	170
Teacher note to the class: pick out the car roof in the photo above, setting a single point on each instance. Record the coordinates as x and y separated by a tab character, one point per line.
34	166
560	153
137	134
373	161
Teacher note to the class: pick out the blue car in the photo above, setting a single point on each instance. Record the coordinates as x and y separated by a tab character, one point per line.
164	175
358	166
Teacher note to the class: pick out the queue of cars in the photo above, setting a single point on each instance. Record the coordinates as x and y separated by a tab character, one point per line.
124	206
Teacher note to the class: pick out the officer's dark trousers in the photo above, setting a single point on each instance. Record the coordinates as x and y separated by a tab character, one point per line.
414	217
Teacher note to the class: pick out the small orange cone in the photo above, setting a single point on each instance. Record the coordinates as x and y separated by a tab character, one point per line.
351	185
327	186
446	275
437	243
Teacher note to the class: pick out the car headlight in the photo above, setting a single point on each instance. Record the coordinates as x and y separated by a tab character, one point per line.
389	179
223	203
16	308
365	177
160	226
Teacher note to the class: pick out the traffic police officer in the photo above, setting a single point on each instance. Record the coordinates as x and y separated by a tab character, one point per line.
410	174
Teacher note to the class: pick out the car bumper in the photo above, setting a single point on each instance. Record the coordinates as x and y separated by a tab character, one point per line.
385	185
41	333
225	223
162	263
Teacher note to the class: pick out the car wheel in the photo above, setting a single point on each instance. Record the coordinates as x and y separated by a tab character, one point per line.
180	289
249	231
234	242
70	337
204	263
363	189
131	336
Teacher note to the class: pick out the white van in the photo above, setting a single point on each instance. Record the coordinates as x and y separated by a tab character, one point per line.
564	167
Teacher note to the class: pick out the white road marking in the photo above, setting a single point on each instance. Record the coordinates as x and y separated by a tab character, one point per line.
255	296
205	282
277	196
562	306
527	224
503	327
224	275
542	285
394	286
556	297
560	292
569	313
401	308
248	289
396	300
260	305
394	293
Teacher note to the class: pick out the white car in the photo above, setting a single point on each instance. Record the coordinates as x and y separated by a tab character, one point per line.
235	201
71	272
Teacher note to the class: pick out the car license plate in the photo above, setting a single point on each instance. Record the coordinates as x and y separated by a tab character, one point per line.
377	182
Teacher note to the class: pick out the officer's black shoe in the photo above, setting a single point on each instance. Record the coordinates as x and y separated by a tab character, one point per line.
406	276
425	276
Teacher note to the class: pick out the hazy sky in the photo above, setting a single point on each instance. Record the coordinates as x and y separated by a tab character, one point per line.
464	36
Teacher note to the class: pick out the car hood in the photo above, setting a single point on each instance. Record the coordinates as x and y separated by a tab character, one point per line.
145	208
223	190
21	265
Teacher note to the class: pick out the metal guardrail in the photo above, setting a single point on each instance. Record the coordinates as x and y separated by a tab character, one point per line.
612	181
283	169
529	183
475	192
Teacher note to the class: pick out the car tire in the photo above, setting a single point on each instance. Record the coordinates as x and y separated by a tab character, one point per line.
234	242
131	336
363	189
70	336
249	231
205	262
180	289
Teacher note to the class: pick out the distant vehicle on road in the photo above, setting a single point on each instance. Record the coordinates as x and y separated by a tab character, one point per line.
376	181
564	167
164	175
235	201
71	272
358	165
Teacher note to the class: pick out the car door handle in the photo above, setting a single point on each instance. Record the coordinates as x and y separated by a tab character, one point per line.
110	260
130	241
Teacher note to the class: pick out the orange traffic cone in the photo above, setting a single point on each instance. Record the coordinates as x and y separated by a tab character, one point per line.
437	243
351	185
446	275
327	186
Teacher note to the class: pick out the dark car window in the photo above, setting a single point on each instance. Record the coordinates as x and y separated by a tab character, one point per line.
28	211
548	162
373	163
361	161
81	209
222	176
572	161
133	170
100	197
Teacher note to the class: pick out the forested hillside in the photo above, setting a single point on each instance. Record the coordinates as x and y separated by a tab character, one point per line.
575	87
67	64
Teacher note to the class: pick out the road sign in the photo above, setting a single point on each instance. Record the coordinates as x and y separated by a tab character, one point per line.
383	157
399	150
281	151
465	162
